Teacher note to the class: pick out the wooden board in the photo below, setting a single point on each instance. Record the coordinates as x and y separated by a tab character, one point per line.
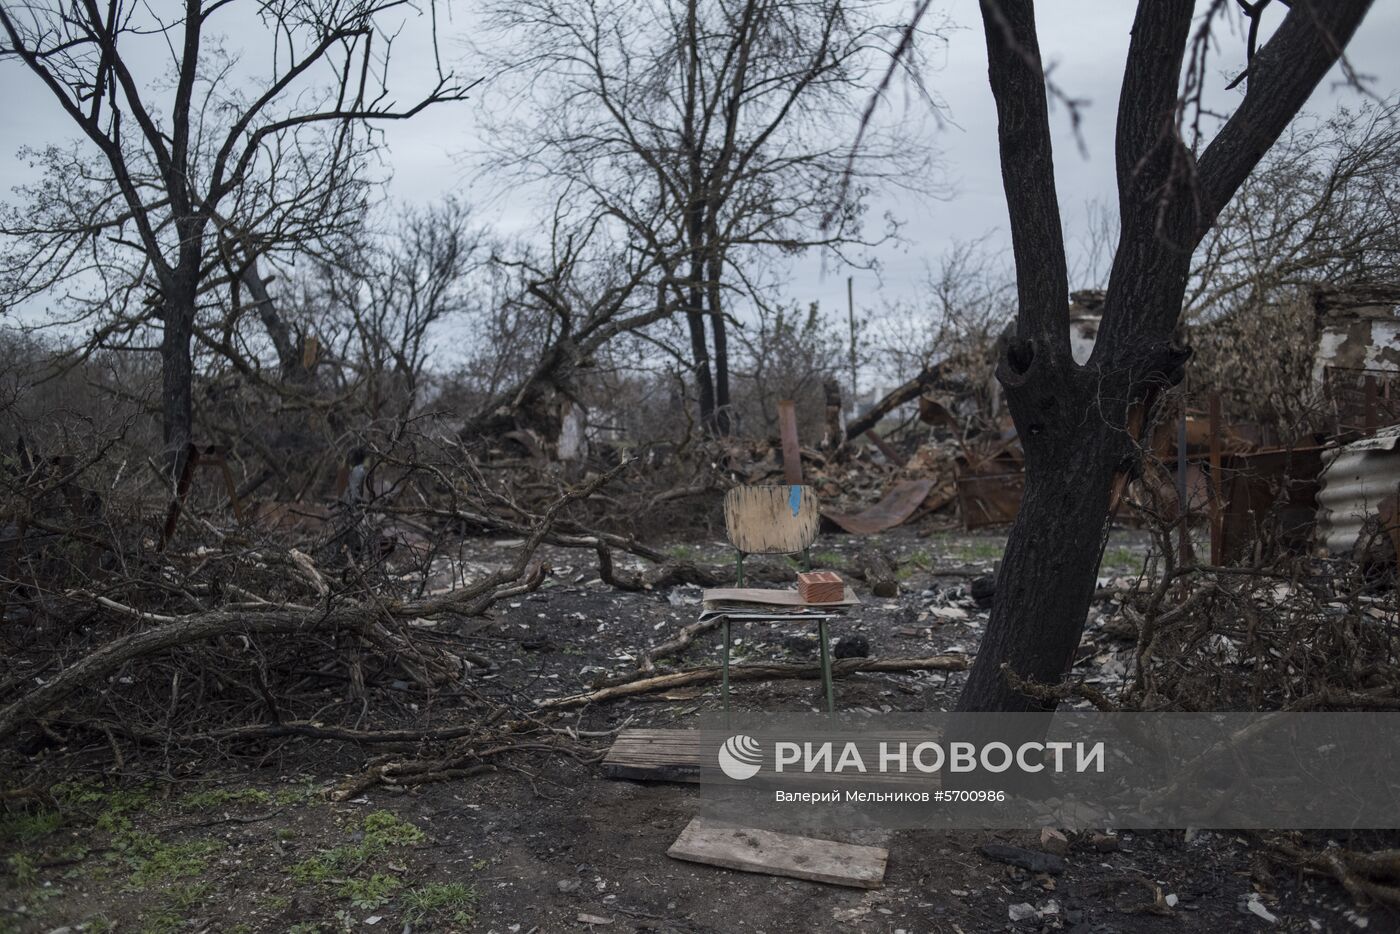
688	756
768	596
779	854
771	520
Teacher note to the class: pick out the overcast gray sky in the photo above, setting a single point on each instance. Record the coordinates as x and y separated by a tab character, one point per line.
1083	40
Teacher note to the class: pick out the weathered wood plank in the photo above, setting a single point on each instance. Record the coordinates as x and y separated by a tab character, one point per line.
778	854
768	596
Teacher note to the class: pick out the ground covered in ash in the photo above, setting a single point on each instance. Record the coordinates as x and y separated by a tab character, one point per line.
546	843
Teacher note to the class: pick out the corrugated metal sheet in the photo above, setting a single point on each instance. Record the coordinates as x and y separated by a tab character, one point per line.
1354	481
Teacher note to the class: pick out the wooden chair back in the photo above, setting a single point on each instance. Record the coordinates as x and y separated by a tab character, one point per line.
771	520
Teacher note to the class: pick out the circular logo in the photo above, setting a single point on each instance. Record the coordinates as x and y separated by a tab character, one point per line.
740	757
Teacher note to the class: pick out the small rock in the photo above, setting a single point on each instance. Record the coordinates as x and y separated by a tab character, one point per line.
1104	842
568	885
1029	860
1022	912
1052	841
853	646
983	589
586	918
1255	905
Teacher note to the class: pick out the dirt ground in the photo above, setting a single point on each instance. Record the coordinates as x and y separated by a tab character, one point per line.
547	843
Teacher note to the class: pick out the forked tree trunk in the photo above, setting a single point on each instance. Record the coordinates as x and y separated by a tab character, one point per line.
1071	419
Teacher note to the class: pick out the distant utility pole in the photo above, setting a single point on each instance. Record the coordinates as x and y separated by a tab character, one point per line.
851	317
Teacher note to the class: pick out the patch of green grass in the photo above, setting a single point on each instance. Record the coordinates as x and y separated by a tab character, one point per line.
161	920
151	860
440	900
379	831
828	559
383	829
224	797
371	893
976	551
185	897
29	826
288	796
110	809
683	552
1122	558
23	869
108	802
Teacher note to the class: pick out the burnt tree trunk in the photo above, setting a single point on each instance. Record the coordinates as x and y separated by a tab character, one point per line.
177	312
723	410
1072	419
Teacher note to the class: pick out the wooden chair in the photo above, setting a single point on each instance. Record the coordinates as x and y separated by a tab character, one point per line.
773	520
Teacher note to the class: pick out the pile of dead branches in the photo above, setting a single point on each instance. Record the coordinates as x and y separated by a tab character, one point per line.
121	640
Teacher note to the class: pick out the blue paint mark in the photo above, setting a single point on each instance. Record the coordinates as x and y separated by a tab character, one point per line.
795	499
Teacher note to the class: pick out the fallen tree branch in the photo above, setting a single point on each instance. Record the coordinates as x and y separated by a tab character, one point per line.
762	672
672	574
1357	872
364	618
677	643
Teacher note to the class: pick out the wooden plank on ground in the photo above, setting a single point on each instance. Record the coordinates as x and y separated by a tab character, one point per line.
659	755
779	854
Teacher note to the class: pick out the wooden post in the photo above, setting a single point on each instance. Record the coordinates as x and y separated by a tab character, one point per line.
792	452
1217	505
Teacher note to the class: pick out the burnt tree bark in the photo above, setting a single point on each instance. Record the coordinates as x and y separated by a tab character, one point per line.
1072	419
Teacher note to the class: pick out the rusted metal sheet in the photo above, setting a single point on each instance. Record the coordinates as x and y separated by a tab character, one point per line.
792	453
1356	478
990	499
1270	500
1390	523
893	509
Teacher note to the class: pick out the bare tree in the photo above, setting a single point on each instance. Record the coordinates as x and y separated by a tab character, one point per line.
193	165
401	291
1074	420
1322	206
700	137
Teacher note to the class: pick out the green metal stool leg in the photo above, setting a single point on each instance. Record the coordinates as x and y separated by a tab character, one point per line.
826	669
807	557
739	570
724	678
